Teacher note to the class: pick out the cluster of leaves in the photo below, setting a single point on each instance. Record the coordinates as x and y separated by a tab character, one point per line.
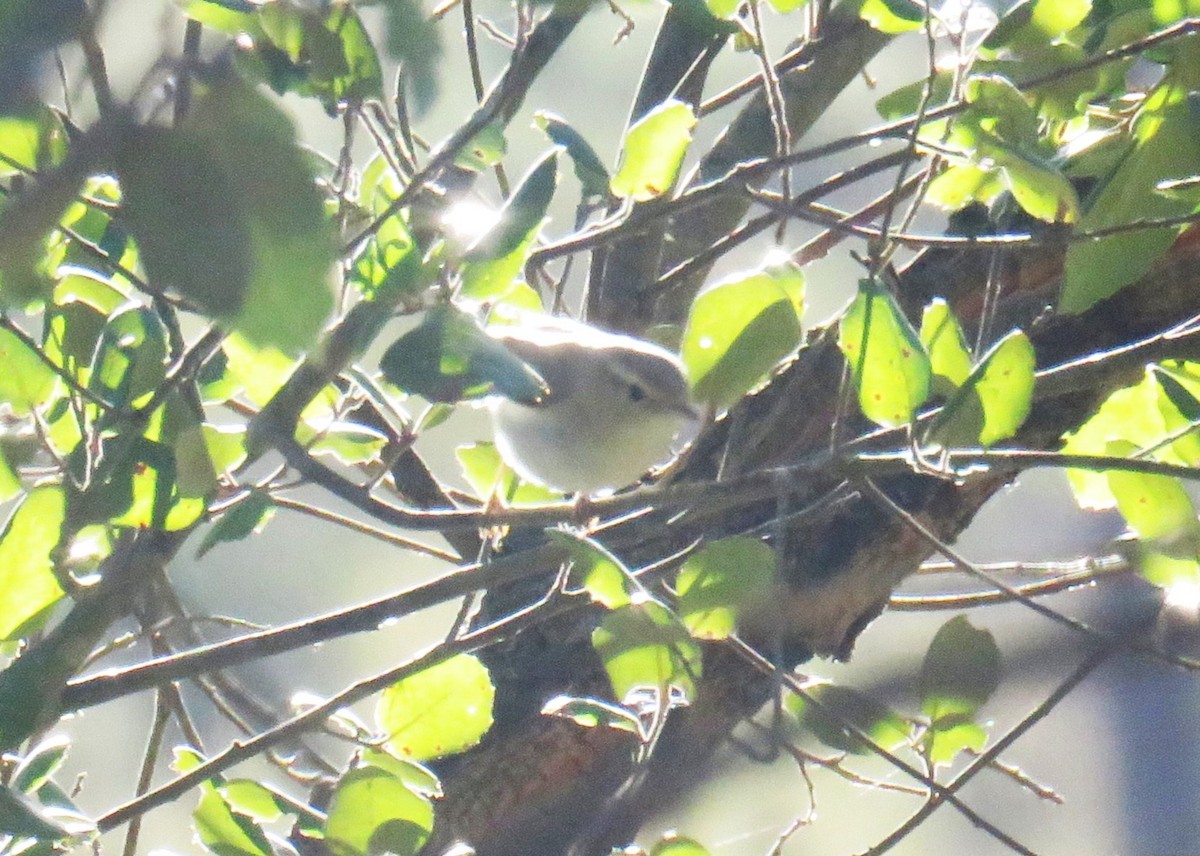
896	370
1036	126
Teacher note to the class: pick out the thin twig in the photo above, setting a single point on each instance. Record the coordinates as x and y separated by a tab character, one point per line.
1013	593
97	68
752	227
775	105
158	730
64	375
757	660
183	79
1090	663
365	529
244	750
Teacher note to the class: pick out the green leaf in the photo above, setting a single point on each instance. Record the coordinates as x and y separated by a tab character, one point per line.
229	18
226	445
1144	415
997	140
722	579
252	245
168	473
438	711
993	401
960	672
252	799
21	817
32	139
450	357
892	16
838	707
26	381
906	100
81	305
644	646
1164	571
487	148
1165	146
722	9
887	360
596	570
131	357
951	735
348	442
419	778
738	330
261	372
488	475
960	184
249	516
374	812
42	762
497	258
1038	22
783	7
415	42
328	50
1156	507
589	169
226	832
673	844
29	588
944	341
653	151
390	263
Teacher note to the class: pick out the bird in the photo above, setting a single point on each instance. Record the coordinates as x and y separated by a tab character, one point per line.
614	406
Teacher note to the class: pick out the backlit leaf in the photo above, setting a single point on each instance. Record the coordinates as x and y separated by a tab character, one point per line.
252	246
889	365
653	151
644	646
449	357
374	812
993	401
28	586
943	338
594	569
721	579
1165	146
738	330
439	711
836	708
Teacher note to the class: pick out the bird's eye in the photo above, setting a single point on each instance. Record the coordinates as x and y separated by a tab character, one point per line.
636	393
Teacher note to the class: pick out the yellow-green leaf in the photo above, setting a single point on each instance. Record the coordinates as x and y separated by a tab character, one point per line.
738	330
943	338
438	711
28	586
994	400
889	365
653	151
720	580
645	647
